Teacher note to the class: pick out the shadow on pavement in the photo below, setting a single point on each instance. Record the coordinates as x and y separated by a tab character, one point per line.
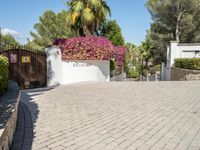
27	117
7	103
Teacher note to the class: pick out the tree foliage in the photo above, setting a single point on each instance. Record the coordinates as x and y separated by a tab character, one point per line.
138	58
172	16
87	16
7	40
51	26
131	56
173	20
112	31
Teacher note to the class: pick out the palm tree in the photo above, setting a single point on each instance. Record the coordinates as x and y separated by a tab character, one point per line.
145	54
87	16
131	56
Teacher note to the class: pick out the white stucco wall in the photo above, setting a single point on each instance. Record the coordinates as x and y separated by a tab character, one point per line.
54	66
91	70
65	72
176	50
183	51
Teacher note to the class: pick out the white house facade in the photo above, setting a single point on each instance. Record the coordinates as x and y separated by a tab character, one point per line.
175	50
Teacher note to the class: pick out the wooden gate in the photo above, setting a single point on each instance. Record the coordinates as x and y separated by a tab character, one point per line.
27	66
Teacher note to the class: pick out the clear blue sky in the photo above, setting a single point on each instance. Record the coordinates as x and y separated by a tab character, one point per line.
21	15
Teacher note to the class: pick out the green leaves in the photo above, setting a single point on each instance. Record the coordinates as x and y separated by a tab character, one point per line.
3	74
137	58
77	6
87	16
112	31
188	63
51	26
173	20
96	3
112	65
8	40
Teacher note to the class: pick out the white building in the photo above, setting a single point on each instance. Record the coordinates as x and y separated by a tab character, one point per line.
175	50
61	71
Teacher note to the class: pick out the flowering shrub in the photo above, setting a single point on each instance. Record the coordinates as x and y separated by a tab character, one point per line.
120	58
91	48
86	48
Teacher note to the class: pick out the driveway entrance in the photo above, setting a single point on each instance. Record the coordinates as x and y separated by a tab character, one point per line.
116	116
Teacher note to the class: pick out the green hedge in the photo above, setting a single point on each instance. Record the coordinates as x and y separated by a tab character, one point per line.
188	63
3	74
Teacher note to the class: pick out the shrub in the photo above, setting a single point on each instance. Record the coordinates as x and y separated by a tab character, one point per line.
120	58
3	74
132	73
86	48
188	63
112	65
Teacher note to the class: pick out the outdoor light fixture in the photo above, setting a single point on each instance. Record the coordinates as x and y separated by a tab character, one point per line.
197	53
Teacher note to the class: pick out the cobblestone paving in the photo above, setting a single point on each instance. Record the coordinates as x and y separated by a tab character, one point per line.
24	131
116	116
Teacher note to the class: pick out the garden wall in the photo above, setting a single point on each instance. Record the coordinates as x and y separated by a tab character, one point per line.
86	70
65	71
178	74
8	115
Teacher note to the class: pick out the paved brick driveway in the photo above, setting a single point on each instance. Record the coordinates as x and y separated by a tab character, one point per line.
118	116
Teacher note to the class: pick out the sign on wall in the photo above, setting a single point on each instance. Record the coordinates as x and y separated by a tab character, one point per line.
13	58
80	64
190	54
26	59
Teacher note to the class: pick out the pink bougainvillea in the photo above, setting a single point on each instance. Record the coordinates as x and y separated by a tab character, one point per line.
86	48
120	58
91	48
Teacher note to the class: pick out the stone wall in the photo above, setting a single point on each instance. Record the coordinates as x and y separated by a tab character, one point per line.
8	116
178	74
